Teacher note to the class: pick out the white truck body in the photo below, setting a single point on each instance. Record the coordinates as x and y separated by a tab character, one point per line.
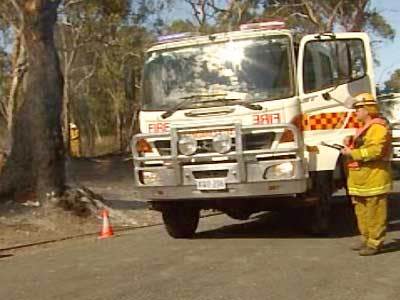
390	108
268	98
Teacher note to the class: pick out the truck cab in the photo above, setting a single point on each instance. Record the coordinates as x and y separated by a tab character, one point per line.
237	121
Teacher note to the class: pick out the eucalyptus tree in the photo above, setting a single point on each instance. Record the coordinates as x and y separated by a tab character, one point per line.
36	161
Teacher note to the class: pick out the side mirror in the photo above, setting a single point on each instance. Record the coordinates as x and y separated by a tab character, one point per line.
348	103
326	96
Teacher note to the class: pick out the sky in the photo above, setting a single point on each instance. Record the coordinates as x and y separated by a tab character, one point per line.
388	53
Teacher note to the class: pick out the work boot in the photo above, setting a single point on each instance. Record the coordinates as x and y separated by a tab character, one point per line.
358	246
368	251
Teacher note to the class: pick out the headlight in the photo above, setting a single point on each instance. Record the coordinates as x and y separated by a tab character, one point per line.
281	171
187	145
222	143
149	178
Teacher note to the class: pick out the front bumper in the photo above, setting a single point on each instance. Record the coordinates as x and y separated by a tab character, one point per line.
396	152
395	144
234	190
174	177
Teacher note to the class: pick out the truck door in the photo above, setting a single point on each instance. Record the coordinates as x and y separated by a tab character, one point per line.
333	69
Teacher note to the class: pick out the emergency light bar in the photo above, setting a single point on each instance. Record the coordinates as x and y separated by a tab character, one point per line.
173	37
271	25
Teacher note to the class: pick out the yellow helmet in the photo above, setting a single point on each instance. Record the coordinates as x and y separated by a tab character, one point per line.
364	99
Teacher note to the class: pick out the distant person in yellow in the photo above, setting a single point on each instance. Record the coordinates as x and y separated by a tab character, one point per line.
74	141
369	177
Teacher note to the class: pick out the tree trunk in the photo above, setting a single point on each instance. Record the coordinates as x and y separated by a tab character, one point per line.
37	157
66	113
69	59
118	129
18	73
19	68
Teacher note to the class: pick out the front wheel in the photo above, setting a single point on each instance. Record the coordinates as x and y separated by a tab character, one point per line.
323	189
181	222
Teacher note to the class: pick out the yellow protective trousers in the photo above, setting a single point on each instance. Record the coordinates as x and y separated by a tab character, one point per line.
371	213
74	148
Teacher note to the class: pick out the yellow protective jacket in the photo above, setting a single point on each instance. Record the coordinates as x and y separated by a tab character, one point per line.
371	173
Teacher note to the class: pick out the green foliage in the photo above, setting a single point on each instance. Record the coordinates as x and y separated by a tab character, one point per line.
114	7
393	84
378	25
103	44
240	12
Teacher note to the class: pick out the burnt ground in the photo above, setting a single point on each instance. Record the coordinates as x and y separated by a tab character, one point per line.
108	176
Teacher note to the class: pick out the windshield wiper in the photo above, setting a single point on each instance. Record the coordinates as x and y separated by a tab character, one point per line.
247	103
186	100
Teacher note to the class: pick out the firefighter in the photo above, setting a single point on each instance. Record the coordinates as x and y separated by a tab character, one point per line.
369	178
74	142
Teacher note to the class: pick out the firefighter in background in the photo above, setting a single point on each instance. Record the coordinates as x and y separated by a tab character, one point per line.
74	141
369	177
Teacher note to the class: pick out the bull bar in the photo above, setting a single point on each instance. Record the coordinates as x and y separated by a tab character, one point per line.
245	169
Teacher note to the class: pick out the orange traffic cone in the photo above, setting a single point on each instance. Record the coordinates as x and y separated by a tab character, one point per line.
106	231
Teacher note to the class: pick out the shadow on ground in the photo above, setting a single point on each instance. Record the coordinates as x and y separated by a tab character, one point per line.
393	246
294	224
127	204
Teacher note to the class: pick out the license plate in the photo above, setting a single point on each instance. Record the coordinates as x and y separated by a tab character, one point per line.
211	184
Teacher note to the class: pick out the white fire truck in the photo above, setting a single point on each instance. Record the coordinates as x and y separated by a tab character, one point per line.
241	121
390	108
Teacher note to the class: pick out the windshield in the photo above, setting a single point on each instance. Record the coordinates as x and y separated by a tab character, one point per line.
256	70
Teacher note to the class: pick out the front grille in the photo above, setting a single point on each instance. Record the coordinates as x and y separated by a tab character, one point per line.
277	157
250	141
258	141
190	163
205	146
210	174
163	147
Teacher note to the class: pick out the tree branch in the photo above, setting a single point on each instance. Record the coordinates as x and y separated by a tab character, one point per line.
68	3
311	13
17	8
88	76
329	25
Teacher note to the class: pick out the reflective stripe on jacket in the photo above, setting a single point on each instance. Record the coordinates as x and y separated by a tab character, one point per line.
371	152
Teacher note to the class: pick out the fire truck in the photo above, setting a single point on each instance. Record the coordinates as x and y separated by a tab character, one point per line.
244	122
390	109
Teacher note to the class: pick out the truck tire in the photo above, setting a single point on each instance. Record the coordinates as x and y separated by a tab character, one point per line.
320	215
181	222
